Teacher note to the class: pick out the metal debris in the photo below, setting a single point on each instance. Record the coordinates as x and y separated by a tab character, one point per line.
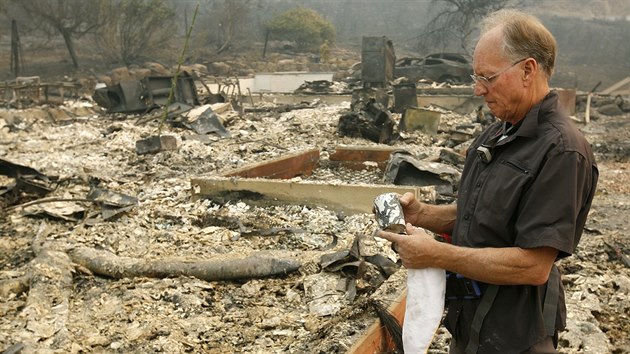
148	93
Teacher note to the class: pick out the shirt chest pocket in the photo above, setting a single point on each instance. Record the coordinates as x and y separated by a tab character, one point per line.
503	188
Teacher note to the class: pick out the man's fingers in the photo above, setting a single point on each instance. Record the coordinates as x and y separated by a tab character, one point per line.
387	235
407	198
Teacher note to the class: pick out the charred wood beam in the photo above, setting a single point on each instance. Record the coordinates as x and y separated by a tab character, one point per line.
59	266
108	264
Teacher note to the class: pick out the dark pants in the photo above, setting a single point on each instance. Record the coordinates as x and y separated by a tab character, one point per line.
547	346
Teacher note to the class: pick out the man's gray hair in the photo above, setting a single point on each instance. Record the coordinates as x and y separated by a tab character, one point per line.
524	36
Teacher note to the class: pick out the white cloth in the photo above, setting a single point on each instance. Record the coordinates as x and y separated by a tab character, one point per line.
426	289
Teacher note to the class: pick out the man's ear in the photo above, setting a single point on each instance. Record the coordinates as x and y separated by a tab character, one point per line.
530	66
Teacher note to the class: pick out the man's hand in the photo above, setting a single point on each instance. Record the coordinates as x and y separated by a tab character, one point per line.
414	249
411	208
437	218
501	266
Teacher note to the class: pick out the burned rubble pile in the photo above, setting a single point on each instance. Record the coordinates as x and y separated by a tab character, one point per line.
137	225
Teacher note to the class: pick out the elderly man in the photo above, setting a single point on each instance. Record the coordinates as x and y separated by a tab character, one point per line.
525	193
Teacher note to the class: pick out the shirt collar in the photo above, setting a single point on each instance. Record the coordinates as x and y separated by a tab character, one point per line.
529	125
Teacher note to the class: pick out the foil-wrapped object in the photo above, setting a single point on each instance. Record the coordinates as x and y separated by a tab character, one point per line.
389	213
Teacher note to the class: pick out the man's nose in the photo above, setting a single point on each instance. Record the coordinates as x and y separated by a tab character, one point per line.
479	89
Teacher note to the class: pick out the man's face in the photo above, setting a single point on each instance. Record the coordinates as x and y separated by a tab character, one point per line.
498	79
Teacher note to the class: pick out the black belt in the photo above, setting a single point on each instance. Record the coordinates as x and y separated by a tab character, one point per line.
459	287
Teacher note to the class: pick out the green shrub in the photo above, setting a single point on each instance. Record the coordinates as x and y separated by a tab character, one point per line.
307	28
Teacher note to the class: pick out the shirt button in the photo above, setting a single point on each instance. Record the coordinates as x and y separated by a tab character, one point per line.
466	217
478	184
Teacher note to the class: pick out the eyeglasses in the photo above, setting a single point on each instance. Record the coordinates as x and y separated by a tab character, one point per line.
487	81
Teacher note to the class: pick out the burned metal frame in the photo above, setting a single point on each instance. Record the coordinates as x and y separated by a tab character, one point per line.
146	94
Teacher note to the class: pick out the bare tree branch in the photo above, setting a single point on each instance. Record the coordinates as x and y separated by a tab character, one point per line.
135	29
233	12
70	18
455	22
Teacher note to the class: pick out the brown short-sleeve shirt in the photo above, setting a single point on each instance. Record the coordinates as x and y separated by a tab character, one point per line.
536	191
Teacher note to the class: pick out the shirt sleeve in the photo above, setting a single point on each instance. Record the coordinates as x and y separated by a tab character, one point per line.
551	208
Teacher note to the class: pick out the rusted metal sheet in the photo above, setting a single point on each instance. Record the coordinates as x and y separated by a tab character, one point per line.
300	164
354	157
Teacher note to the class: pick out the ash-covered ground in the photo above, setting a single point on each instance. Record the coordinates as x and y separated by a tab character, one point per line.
67	308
